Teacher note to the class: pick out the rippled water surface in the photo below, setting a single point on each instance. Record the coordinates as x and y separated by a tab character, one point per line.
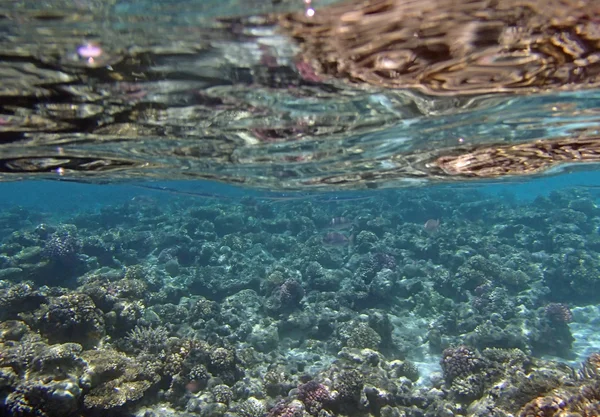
297	95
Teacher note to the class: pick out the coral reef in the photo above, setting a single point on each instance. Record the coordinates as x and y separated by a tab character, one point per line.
240	310
72	317
459	361
314	396
62	247
558	313
582	400
146	339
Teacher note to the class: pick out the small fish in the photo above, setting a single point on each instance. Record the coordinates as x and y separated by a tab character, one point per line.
336	239
143	199
431	225
181	192
193	386
334	199
281	198
340	223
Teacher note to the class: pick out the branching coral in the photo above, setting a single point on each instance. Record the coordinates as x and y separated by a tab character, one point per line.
147	339
222	393
349	384
362	336
222	363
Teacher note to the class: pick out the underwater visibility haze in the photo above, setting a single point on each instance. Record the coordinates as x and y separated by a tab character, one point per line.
296	208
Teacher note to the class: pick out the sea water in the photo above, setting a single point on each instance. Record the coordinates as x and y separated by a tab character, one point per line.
211	209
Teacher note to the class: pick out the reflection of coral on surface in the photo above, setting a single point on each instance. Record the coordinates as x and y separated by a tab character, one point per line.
474	49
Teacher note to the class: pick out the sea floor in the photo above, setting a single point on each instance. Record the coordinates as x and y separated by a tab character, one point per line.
421	303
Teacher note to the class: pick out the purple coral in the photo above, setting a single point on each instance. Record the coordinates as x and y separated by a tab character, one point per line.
314	396
349	384
283	409
285	298
384	261
483	289
482	296
62	248
558	313
290	293
459	361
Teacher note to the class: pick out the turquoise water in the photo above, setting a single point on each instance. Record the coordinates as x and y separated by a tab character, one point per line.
56	197
207	299
299	208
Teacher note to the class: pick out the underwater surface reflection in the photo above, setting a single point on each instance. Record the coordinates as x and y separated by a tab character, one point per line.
353	95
